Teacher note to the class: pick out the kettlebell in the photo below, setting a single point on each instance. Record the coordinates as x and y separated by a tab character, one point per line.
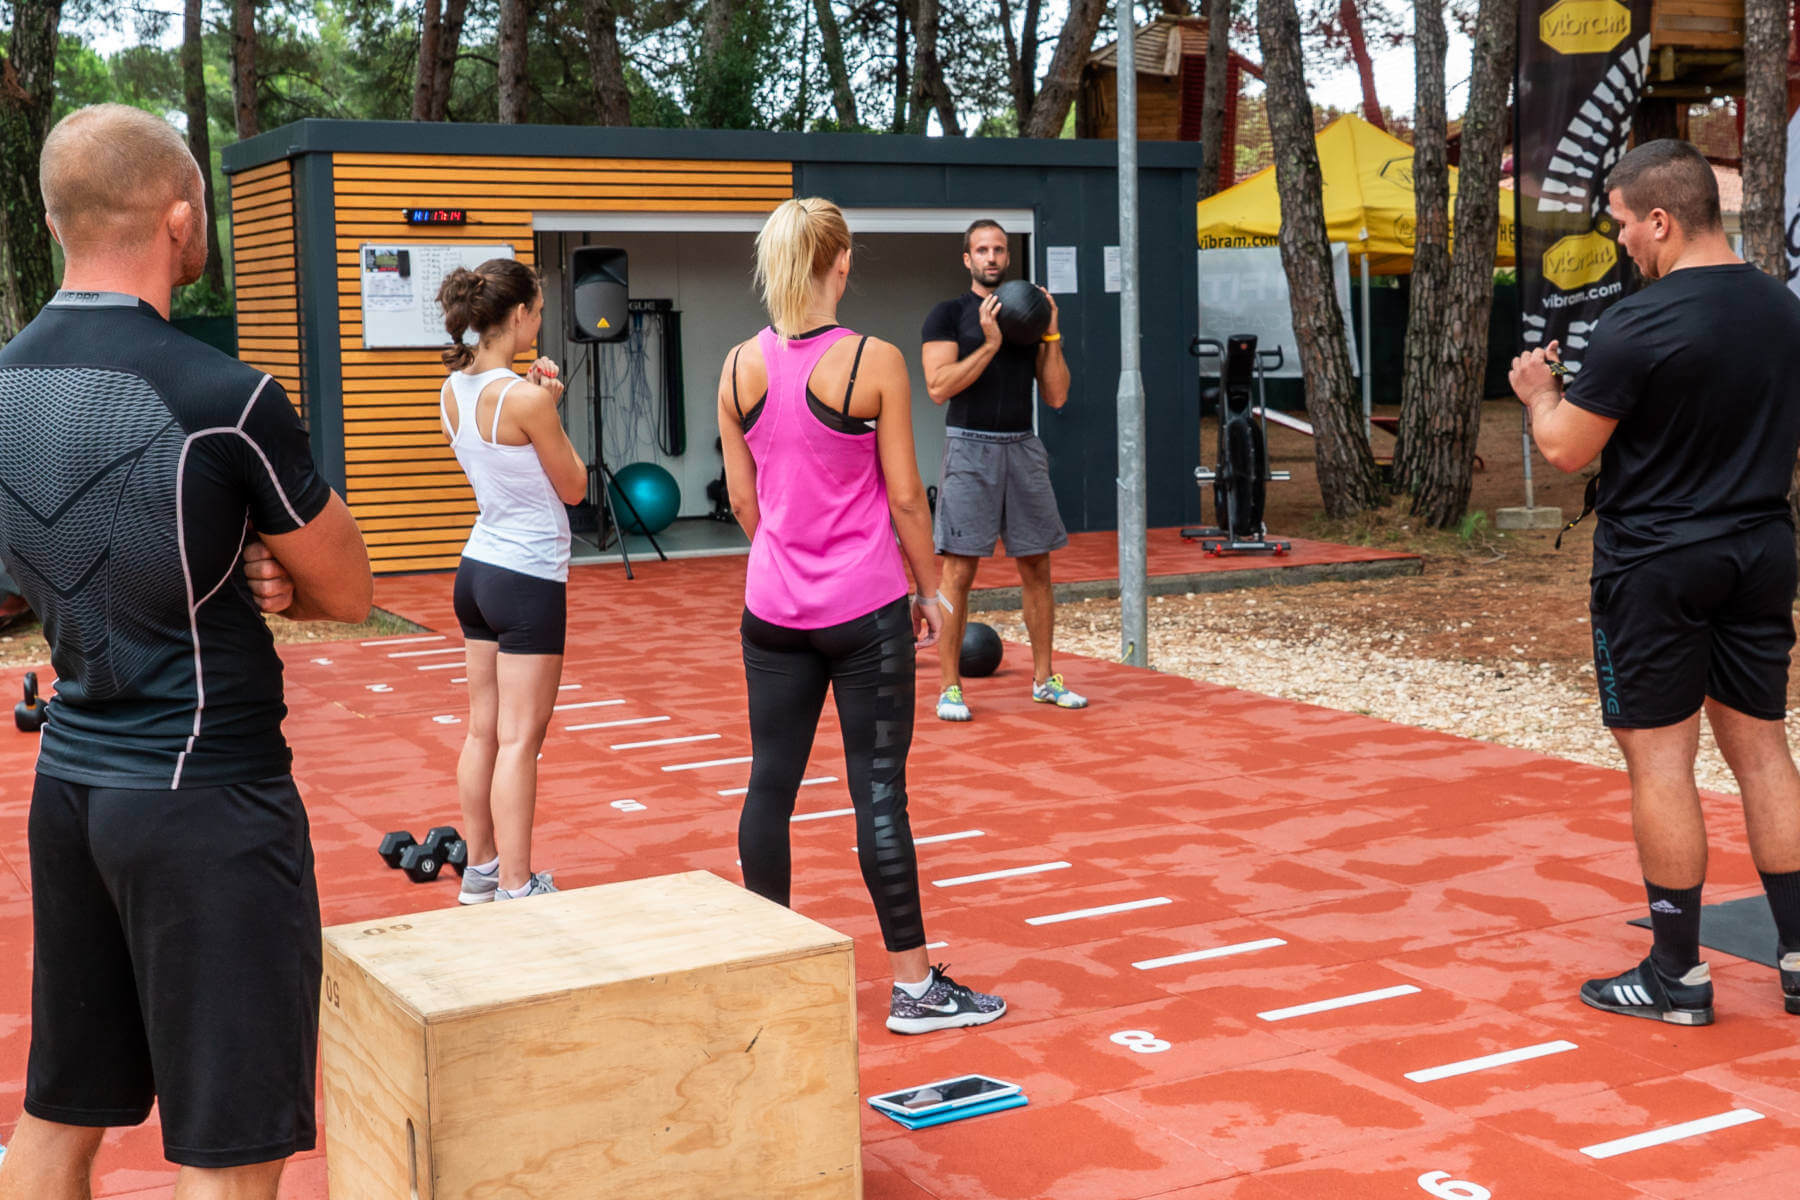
31	714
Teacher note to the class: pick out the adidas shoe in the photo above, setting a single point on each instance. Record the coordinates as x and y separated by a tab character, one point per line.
1052	691
539	885
946	1004
1645	992
951	706
1789	965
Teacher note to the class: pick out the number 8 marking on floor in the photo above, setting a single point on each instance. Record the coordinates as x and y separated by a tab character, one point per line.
1439	1183
1139	1041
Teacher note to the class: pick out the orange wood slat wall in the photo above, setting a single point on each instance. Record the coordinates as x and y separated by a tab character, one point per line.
408	494
264	268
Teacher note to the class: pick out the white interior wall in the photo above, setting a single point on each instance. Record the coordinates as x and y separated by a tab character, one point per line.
895	280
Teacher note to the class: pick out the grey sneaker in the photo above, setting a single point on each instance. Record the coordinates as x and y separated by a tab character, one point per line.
1788	963
1052	691
951	706
540	885
946	1004
478	887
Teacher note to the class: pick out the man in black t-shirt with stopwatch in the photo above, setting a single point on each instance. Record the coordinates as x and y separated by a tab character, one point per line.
1690	394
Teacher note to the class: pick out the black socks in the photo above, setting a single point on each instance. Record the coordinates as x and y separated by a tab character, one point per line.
1675	922
1784	902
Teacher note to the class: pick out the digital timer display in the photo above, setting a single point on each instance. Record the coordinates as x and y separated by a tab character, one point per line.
436	216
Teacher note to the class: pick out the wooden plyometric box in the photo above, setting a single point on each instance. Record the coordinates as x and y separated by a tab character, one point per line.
667	1037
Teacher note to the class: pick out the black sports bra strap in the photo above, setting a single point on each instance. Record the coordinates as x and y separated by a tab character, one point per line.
735	402
854	364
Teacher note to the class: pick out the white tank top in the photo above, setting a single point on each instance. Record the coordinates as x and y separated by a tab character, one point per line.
523	525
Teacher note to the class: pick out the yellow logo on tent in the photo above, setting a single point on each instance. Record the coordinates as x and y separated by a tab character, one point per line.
1584	26
604	324
1578	261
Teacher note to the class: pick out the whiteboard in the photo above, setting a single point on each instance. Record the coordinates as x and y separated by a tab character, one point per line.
400	286
1246	291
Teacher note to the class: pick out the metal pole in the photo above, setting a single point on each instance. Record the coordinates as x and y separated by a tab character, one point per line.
1368	388
1134	613
1525	429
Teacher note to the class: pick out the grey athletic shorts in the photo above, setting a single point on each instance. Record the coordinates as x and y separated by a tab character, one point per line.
996	486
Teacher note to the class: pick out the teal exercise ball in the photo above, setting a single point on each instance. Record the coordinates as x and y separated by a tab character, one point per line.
652	491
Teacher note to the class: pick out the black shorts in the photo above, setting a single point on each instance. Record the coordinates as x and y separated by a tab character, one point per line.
524	613
1714	619
176	958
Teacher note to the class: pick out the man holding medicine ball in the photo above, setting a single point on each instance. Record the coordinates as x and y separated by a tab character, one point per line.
996	475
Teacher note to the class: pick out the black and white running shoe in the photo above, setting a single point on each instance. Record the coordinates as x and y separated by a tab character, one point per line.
1646	992
946	1004
1788	962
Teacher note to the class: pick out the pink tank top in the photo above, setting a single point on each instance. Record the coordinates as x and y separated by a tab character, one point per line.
824	551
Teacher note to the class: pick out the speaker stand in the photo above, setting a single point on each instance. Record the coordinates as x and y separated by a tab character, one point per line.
601	476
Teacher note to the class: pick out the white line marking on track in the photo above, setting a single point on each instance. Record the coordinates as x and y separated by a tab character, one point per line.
936	945
584	704
1672	1133
1173	960
820	816
568	687
711	762
816	779
423	653
443	666
1319	1006
460	679
401	641
615	724
1487	1061
669	741
1078	914
1008	873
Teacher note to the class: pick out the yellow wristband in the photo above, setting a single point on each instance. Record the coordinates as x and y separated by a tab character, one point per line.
1051	337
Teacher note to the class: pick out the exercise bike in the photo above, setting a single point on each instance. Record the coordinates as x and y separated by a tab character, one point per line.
1241	479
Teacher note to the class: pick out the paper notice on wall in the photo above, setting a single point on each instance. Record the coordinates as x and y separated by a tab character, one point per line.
1111	271
400	286
1059	269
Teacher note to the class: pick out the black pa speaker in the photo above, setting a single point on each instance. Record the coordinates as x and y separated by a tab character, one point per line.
597	293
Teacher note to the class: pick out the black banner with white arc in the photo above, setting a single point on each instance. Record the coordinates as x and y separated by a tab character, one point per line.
1582	66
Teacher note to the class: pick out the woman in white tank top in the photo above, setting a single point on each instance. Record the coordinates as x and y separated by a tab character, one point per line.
511	585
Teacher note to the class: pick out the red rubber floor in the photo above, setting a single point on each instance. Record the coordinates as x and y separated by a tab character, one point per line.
1253	949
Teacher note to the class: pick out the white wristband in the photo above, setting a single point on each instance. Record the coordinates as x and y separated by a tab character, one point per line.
937	600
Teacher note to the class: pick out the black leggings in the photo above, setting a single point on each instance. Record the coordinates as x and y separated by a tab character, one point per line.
868	663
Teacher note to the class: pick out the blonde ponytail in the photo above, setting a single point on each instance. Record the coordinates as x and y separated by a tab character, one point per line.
798	243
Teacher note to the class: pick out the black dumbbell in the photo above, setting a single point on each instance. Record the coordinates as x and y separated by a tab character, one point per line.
31	715
456	854
422	862
394	845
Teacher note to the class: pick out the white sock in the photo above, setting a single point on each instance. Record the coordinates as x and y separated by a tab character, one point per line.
488	868
917	990
516	893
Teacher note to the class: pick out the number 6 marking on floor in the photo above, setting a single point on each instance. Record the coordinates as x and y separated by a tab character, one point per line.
1139	1041
1439	1183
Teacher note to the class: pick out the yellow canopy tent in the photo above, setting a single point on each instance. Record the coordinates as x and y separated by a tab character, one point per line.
1370	207
1369	202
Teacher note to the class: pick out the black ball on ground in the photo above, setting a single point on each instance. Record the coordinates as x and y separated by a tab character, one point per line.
1024	311
981	650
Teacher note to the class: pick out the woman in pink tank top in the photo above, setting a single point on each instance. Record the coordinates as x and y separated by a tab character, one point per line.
816	424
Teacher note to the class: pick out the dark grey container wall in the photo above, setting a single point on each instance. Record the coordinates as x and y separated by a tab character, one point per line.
1078	205
1071	184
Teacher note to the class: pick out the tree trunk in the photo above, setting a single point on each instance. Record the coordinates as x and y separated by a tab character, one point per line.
244	81
1365	66
193	86
1444	453
1212	105
1421	384
1177	8
1765	134
1347	479
831	41
1021	59
903	10
929	89
612	98
1050	111
515	17
27	97
448	47
431	32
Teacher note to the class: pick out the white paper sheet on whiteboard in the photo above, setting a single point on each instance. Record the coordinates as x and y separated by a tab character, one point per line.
399	290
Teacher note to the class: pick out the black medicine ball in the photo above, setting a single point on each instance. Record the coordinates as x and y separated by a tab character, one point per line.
981	650
1024	311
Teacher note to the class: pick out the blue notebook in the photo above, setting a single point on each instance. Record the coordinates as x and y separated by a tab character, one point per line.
999	1104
